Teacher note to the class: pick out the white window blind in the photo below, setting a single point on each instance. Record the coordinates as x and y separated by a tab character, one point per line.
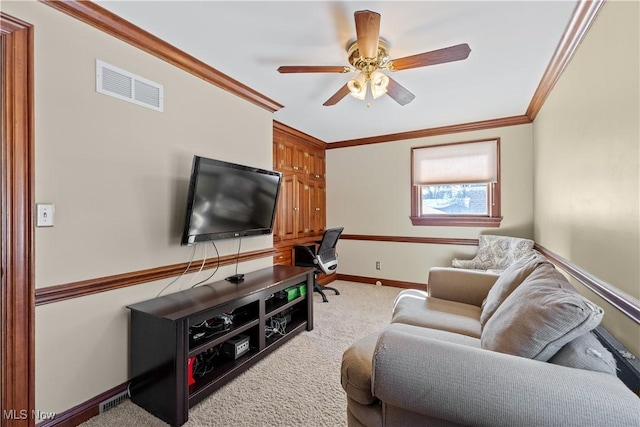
465	163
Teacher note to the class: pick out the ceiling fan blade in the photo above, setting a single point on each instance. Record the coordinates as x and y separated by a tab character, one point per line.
313	69
440	56
337	97
367	32
399	93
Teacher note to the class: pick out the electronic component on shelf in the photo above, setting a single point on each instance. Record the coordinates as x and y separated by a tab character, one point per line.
236	346
210	328
203	363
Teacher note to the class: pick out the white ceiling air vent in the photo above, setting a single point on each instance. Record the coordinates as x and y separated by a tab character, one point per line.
127	86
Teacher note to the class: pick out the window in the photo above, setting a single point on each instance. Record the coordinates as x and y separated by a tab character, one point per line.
456	184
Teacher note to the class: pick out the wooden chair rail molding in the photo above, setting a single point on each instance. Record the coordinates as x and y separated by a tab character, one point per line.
627	304
408	239
82	288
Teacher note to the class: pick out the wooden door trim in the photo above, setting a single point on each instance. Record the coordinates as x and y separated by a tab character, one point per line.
18	278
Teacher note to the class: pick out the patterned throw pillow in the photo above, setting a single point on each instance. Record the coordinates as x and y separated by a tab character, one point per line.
496	253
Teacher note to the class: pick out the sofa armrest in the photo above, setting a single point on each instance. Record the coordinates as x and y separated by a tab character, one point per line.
467	385
454	284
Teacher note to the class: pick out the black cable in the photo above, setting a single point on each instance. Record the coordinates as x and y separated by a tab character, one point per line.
238	254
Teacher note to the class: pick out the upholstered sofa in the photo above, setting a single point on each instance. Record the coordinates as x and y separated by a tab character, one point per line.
514	349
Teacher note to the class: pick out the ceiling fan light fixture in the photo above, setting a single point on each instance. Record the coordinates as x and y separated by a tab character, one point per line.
379	83
358	86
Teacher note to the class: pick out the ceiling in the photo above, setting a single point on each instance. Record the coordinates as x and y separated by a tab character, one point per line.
511	42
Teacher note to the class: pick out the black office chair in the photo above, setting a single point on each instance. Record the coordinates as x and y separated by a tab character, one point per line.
325	260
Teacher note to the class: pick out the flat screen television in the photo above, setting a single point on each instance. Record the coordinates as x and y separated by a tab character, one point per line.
227	200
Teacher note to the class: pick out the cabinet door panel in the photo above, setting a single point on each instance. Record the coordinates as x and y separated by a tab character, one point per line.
286	208
302	211
317	207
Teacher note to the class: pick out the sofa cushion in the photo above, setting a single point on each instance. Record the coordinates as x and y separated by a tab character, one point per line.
496	253
539	317
586	352
508	281
414	307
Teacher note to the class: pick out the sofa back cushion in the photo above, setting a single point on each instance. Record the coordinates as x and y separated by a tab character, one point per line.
586	352
508	281
540	316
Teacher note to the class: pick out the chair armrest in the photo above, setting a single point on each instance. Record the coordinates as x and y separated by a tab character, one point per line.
473	386
454	284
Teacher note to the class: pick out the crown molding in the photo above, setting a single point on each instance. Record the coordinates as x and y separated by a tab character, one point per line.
110	23
583	16
299	134
442	130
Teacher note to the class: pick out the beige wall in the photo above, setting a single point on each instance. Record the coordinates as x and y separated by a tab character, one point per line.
586	148
377	201
117	174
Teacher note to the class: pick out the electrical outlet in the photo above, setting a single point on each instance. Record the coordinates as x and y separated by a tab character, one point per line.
44	213
377	265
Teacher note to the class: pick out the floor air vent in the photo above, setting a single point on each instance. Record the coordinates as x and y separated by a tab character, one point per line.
113	81
113	402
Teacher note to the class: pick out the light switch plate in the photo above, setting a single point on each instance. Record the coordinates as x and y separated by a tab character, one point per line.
44	215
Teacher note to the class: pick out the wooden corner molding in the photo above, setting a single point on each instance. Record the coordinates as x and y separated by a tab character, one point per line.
583	16
17	283
100	18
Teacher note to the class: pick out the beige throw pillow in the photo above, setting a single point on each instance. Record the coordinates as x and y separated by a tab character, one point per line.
539	317
508	281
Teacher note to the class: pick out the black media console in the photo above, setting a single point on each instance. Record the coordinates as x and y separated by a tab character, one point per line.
222	327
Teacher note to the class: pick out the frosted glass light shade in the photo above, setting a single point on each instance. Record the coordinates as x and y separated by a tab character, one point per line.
358	86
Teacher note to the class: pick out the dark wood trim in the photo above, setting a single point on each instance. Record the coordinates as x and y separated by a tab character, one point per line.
410	239
384	282
457	221
56	293
100	18
17	282
84	411
491	221
583	16
308	139
627	304
424	133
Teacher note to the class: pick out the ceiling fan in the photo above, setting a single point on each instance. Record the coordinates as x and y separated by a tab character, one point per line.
369	54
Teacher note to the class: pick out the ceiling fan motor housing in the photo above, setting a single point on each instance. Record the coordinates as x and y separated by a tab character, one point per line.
369	65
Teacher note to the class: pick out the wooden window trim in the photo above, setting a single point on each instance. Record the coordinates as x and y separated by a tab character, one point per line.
489	221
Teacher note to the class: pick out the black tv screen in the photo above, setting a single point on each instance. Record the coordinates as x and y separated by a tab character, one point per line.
227	200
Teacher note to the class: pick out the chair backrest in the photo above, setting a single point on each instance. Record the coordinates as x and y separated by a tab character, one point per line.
326	259
330	239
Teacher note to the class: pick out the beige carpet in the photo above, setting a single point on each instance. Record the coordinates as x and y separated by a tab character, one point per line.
299	383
